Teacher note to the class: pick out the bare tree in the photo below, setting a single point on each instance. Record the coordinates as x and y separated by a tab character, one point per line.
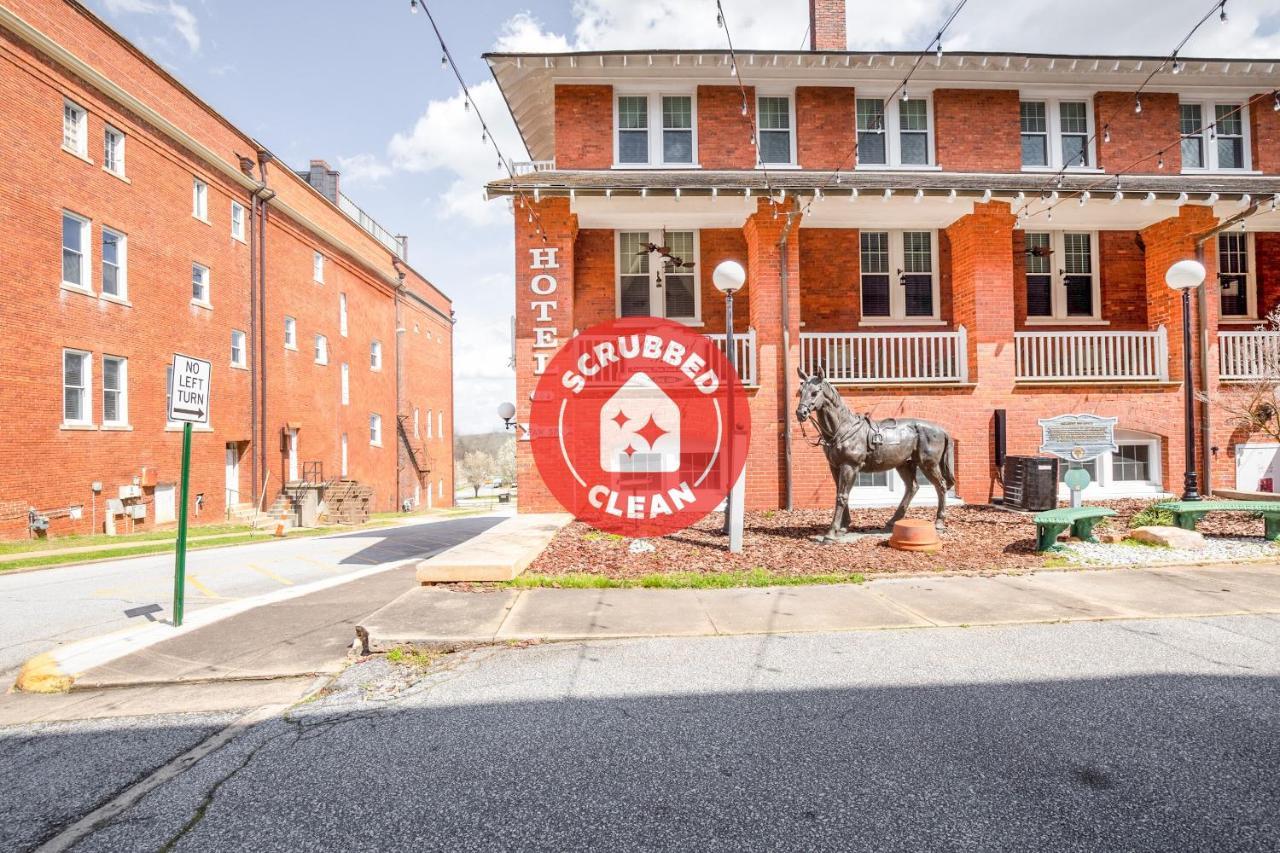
476	469
1253	404
507	463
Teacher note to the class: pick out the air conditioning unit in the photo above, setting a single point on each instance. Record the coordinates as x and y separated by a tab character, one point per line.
138	512
128	492
1031	483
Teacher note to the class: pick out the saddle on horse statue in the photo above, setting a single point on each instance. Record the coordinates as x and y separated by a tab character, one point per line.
875	429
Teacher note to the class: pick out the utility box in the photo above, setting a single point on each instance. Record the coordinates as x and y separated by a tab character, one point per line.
130	492
138	512
148	477
115	506
1031	483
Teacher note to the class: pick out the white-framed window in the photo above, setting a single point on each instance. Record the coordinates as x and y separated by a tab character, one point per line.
345	371
893	133
1215	136
375	430
1239	297
440	423
115	269
1057	133
322	349
342	314
655	129
440	488
290	333
75	129
317	267
200	285
1132	470
77	385
899	276
885	488
775	122
415	421
650	285
375	355
1062	276
237	221
115	391
77	257
113	150
428	423
343	462
238	351
200	199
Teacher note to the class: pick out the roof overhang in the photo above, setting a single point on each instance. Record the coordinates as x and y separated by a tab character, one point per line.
528	80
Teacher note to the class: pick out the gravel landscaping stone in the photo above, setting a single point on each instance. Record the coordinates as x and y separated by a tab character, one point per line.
1215	549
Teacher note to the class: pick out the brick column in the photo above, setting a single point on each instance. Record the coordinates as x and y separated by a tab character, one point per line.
766	460
544	319
1165	243
983	303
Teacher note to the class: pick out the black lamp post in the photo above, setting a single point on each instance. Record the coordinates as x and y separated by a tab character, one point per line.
1186	276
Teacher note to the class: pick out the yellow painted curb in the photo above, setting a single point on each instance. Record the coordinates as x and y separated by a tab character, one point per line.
43	674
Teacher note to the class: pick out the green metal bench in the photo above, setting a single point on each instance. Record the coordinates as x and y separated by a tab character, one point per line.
1187	513
1080	519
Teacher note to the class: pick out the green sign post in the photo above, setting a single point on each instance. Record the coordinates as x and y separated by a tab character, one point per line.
188	404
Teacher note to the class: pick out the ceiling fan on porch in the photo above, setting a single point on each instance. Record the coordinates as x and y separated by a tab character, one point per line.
671	263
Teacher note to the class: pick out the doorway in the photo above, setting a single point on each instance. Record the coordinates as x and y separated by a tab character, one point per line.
233	475
293	456
166	503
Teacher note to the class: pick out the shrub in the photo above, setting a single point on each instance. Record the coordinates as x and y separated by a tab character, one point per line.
1152	517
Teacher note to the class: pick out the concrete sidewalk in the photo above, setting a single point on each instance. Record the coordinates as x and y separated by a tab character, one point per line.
438	616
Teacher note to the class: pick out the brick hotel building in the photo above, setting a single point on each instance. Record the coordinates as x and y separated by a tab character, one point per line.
139	223
911	278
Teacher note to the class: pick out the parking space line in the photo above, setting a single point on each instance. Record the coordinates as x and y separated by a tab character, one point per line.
205	591
267	573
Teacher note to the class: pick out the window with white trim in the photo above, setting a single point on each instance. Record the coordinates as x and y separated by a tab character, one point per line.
115	391
440	423
113	150
899	276
415	421
317	267
238	352
200	285
894	133
1062	275
77	384
1057	134
1235	275
428	423
346	383
672	115
75	128
777	131
114	266
290	333
199	199
76	256
1133	469
650	284
375	430
237	221
342	314
322	349
343	466
1215	136
375	355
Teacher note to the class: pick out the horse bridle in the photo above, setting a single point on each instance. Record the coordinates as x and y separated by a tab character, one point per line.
858	421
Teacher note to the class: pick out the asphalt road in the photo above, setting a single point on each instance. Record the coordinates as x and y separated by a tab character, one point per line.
40	610
1148	735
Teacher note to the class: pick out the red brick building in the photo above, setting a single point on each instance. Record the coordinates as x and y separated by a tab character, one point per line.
999	241
141	223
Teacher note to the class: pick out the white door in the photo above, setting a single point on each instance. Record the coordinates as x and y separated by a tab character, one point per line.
233	475
166	503
293	455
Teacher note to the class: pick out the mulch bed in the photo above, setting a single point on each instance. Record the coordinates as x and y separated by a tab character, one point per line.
977	538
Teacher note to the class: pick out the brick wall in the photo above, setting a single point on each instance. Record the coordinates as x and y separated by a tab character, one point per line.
827	25
967	143
825	120
1264	130
584	127
1267	271
1134	135
724	133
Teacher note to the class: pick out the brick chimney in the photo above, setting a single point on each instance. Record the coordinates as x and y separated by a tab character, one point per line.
827	25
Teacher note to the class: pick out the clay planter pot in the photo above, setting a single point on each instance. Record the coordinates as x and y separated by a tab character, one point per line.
915	534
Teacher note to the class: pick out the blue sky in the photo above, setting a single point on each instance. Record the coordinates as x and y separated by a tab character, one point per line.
359	83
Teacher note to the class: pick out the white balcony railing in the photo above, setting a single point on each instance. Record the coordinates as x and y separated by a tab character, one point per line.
1093	356
870	358
1243	356
744	353
526	167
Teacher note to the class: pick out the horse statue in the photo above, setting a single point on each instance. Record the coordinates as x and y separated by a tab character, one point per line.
854	443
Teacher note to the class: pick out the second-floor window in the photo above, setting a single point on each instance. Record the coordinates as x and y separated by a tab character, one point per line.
237	221
894	132
238	354
1061	276
75	252
899	276
317	267
773	114
199	199
77	408
655	130
113	151
200	284
113	264
290	333
1214	136
1056	134
322	349
375	430
115	395
1235	274
649	285
375	355
75	129
342	314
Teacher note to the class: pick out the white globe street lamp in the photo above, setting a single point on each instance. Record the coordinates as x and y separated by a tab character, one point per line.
1186	276
506	411
728	277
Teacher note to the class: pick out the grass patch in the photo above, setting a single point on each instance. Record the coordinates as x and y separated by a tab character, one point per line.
1140	543
60	542
409	657
1057	563
1152	517
757	577
601	536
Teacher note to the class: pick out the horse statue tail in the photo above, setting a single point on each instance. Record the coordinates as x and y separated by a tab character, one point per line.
948	462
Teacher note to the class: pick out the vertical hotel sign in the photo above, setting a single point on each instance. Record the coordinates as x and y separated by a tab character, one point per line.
543	285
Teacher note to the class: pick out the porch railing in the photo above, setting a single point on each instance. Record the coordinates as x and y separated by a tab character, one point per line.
526	167
870	358
744	346
1093	356
1248	355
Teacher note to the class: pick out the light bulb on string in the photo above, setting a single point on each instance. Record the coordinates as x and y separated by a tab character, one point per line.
1223	16
719	20
466	106
444	60
1160	162
939	49
1177	66
413	7
905	95
744	106
1276	98
1137	104
1106	133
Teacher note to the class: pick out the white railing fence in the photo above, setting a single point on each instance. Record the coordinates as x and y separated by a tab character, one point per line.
744	353
1096	356
526	167
869	358
1248	355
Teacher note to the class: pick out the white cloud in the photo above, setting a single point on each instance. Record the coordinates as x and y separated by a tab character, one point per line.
182	19
523	33
363	170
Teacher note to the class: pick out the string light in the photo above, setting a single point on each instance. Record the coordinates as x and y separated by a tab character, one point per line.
1276	98
413	7
1177	66
939	50
1160	162
1137	104
1223	16
444	60
905	96
720	20
1106	133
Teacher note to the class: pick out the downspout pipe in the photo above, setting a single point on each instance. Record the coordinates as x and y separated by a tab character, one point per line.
254	331
264	195
401	436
